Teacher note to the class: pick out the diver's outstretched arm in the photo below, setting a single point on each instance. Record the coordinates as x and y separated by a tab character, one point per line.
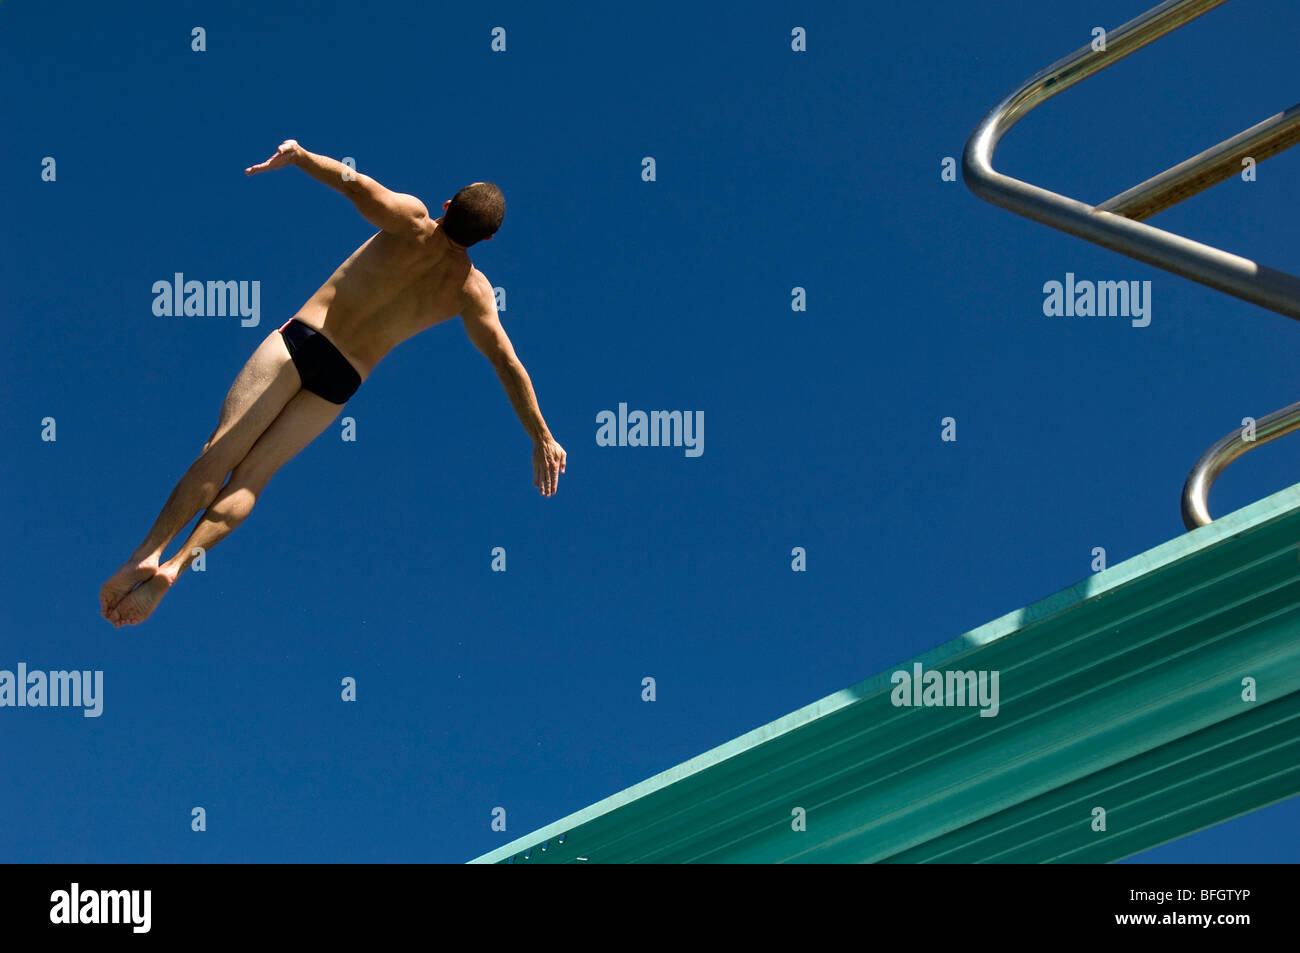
483	325
394	212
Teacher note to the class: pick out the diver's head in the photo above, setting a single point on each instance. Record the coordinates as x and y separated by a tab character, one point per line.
473	214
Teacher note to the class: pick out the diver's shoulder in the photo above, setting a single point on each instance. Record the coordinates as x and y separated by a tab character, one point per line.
477	283
476	289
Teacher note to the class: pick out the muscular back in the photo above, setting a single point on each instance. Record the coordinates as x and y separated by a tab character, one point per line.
388	290
408	277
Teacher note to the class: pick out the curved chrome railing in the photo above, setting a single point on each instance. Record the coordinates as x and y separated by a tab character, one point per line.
1196	491
1116	223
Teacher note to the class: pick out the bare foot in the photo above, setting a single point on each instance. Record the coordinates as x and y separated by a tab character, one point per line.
123	581
139	603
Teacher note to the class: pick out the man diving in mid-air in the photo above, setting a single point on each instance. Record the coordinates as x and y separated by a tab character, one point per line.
412	274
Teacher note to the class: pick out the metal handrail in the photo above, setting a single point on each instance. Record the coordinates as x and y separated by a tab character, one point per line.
1196	490
1115	223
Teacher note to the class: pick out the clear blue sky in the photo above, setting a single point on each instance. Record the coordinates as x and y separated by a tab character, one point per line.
372	559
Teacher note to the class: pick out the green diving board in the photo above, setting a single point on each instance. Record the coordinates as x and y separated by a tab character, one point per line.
1125	694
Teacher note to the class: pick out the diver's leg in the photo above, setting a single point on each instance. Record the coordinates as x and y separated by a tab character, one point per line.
260	391
301	421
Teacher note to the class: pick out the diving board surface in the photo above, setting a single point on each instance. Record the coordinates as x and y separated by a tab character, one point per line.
1124	693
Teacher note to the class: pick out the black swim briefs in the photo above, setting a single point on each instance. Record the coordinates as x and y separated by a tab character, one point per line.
324	371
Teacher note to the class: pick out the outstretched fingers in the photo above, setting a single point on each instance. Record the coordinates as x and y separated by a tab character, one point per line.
546	476
549	459
283	154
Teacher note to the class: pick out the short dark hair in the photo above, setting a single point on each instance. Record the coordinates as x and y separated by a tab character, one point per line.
475	213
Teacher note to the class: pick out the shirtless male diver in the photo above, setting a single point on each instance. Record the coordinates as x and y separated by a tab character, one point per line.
412	274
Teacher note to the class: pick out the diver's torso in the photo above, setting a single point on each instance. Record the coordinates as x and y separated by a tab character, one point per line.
388	290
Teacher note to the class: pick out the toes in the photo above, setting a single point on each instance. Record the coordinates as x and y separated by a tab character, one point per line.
141	602
125	611
120	585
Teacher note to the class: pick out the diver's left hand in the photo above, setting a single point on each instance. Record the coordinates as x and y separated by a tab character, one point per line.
549	459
